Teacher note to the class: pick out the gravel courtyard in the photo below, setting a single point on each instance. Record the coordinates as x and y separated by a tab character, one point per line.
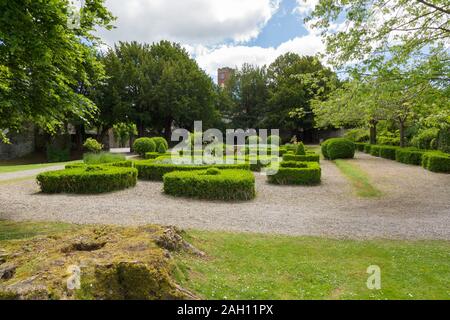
415	205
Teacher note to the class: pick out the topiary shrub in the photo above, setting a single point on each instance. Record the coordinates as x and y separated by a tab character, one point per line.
92	145
154	155
162	148
367	148
274	140
89	179
296	173
300	149
338	148
160	141
409	156
143	145
375	150
436	161
226	185
443	140
388	152
151	170
120	164
311	157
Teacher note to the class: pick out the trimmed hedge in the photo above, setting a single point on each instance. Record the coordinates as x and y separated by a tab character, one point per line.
367	148
154	155
87	180
388	152
338	148
150	170
143	145
120	164
409	156
360	146
309	157
160	141
296	173
375	150
211	184
436	162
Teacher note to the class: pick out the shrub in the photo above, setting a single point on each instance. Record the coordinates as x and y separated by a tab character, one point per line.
162	148
121	164
367	148
274	139
424	138
409	156
436	161
154	155
443	140
151	170
391	141
296	173
221	185
160	141
300	149
388	152
338	148
103	157
143	145
55	154
89	179
309	157
92	145
357	135
360	146
375	150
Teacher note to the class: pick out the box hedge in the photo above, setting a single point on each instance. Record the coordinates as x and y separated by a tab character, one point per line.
154	155
143	145
409	156
338	148
360	146
211	184
296	173
87	180
311	157
120	164
436	161
151	170
367	148
375	150
388	152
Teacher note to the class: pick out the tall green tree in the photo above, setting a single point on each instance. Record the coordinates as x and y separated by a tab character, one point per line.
42	60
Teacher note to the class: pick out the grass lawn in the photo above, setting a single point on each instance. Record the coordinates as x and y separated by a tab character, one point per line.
251	266
359	179
15	168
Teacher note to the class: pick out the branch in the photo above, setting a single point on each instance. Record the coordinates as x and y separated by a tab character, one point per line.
434	6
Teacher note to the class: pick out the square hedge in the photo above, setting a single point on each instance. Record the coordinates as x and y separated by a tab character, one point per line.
296	173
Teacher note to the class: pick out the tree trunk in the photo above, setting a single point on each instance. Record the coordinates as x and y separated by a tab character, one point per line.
80	134
168	129
373	131
402	133
141	128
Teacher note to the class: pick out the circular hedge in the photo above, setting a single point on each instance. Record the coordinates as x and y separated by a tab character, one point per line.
143	145
211	184
87	180
338	148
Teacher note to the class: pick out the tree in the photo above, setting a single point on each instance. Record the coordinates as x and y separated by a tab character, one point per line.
42	60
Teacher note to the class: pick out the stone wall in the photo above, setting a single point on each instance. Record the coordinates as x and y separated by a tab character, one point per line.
22	143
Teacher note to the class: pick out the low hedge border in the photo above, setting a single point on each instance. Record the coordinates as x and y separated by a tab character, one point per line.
309	157
154	155
87	180
409	156
388	152
436	161
149	170
375	150
229	185
360	146
120	164
296	173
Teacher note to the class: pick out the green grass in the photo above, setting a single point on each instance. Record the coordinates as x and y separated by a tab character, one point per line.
103	157
10	230
359	179
16	168
252	266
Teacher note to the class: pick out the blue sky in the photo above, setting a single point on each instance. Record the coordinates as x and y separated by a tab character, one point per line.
218	33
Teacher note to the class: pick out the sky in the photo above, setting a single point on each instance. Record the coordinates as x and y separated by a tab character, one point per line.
218	33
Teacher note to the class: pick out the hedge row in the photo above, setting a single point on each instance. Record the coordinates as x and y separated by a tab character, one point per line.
296	173
154	155
86	180
150	170
120	164
435	161
312	157
338	148
211	184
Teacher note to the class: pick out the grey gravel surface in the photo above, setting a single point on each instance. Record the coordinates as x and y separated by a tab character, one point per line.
415	205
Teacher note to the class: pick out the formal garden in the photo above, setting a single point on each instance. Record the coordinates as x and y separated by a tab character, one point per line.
328	176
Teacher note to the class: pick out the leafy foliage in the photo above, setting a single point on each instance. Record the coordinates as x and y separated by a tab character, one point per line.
93	145
297	173
144	145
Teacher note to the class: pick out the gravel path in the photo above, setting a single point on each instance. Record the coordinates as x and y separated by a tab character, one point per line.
415	205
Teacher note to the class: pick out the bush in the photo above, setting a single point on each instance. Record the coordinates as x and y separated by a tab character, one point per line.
409	156
375	150
357	135
154	155
121	164
162	148
296	173
92	145
338	148
424	138
103	157
211	185
160	141
89	179
443	140
367	148
274	139
309	157
151	170
391	141
143	145
300	149
360	146
388	152
55	154
436	161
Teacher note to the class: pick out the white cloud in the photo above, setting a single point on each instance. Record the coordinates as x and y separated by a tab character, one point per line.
188	21
305	7
234	56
